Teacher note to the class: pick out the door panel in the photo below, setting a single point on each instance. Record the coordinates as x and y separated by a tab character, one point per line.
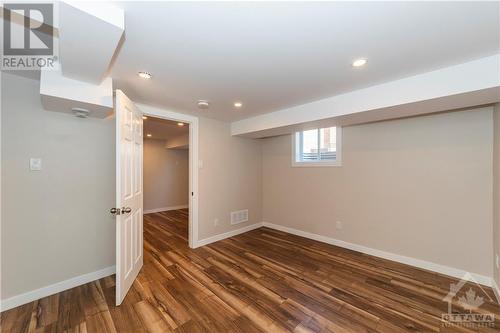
129	194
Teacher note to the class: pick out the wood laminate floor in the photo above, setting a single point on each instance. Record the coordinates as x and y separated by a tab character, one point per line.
260	281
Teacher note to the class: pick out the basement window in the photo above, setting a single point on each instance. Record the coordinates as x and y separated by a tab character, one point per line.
317	147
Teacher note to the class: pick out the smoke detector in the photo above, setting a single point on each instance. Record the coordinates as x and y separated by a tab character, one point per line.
203	104
80	113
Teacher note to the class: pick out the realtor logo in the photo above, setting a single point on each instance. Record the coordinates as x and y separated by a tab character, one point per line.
466	305
28	36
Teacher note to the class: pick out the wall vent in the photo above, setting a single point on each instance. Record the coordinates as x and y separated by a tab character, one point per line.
239	216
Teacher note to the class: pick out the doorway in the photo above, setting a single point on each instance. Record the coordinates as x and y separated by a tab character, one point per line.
192	125
166	179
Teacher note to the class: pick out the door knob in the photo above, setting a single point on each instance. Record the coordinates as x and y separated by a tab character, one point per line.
126	210
115	211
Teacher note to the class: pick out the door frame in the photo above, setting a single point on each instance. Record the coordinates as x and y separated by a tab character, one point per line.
193	162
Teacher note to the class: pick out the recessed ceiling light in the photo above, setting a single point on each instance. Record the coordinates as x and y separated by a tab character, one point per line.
144	75
144	117
238	105
180	124
359	62
149	135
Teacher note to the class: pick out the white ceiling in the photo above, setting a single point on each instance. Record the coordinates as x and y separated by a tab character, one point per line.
275	55
162	129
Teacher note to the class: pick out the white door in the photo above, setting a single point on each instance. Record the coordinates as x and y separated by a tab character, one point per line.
128	211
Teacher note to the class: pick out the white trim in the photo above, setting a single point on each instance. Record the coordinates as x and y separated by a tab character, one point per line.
496	289
55	288
1	224
446	270
164	209
225	235
327	163
193	162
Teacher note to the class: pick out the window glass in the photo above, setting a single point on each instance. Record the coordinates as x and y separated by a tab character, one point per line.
310	145
328	143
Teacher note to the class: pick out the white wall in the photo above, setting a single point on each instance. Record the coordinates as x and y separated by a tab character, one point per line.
55	222
418	187
229	180
166	176
496	192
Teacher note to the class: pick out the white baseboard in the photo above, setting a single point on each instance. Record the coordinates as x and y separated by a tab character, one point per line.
225	235
446	270
496	289
164	209
55	288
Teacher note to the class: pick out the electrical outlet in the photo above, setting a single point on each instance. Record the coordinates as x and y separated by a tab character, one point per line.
216	222
497	261
338	225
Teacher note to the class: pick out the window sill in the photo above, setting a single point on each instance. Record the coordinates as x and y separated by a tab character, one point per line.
316	164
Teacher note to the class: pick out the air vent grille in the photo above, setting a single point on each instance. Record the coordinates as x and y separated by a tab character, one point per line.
239	216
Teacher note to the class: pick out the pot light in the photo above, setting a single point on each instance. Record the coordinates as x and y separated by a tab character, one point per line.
144	117
180	124
149	135
145	75
238	105
359	62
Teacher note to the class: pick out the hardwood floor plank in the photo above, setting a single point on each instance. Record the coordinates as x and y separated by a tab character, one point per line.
151	318
261	281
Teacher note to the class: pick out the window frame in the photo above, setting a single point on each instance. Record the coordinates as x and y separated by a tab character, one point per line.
325	163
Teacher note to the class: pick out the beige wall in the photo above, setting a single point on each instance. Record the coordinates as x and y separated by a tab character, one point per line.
166	176
55	222
229	180
179	142
417	187
496	191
